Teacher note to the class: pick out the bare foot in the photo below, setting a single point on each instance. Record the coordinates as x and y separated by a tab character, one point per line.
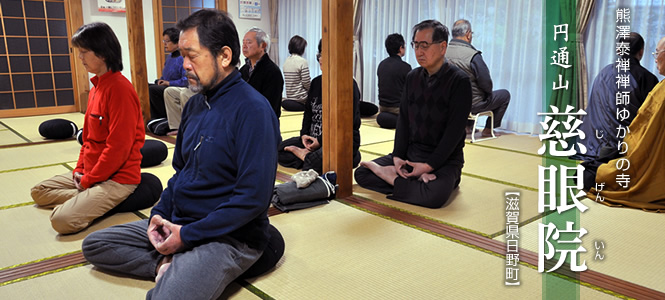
163	265
387	173
172	132
297	151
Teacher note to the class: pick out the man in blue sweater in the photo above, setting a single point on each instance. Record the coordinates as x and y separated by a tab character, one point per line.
211	223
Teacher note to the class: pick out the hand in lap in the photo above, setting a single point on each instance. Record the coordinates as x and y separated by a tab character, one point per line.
418	169
164	235
310	143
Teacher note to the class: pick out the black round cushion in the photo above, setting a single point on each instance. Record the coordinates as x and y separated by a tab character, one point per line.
368	109
145	195
270	256
57	129
154	152
79	136
387	120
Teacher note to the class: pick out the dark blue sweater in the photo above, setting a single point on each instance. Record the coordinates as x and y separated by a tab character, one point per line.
173	71
225	161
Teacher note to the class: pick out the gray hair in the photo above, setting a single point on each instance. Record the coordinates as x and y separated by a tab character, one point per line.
261	37
461	27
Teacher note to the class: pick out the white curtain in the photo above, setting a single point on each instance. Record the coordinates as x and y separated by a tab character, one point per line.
301	18
646	19
509	34
381	18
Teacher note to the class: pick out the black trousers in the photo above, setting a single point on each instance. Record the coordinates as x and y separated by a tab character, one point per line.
433	194
497	103
313	160
293	105
157	106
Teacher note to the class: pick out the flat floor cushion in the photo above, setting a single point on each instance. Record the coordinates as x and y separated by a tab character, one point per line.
271	255
57	129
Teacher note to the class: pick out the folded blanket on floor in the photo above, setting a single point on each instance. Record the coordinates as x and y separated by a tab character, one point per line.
287	196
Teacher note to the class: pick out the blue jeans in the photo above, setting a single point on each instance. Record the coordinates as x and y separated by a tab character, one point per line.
202	272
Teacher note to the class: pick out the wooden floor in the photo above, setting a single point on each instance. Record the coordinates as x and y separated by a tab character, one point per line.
361	247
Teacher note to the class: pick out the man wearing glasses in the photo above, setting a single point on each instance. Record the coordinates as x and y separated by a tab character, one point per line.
426	163
466	57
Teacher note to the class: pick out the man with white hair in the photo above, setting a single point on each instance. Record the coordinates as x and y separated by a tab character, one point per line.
464	56
259	70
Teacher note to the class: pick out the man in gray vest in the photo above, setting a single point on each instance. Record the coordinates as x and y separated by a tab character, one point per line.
461	54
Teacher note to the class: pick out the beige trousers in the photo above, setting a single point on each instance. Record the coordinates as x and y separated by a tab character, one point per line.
74	210
175	99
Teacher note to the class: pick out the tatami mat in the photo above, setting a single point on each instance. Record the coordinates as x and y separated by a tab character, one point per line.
371	135
23	181
632	242
39	155
470	207
86	282
514	142
510	167
29	126
290	123
8	137
338	252
28	231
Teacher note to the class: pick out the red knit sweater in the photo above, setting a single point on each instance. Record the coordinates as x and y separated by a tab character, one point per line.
113	133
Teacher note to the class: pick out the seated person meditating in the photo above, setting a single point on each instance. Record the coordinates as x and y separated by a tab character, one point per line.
602	121
426	163
304	152
635	179
173	74
109	164
391	74
211	224
296	75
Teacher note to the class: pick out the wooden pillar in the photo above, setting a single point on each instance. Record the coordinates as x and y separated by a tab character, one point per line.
337	55
221	5
157	19
81	82
136	35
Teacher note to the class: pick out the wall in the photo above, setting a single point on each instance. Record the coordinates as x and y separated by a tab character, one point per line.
242	25
118	22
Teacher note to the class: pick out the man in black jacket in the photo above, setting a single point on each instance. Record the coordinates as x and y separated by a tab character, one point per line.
392	74
259	71
426	163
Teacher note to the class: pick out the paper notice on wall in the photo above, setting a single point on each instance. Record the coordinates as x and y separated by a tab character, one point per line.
250	9
111	5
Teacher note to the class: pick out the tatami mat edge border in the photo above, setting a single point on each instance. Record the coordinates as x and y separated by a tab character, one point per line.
592	279
15	132
42	166
16	205
41	267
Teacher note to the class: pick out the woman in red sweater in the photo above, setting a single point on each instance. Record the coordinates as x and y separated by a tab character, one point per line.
109	163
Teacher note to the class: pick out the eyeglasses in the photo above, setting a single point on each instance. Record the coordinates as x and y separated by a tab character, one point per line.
655	54
166	41
423	45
